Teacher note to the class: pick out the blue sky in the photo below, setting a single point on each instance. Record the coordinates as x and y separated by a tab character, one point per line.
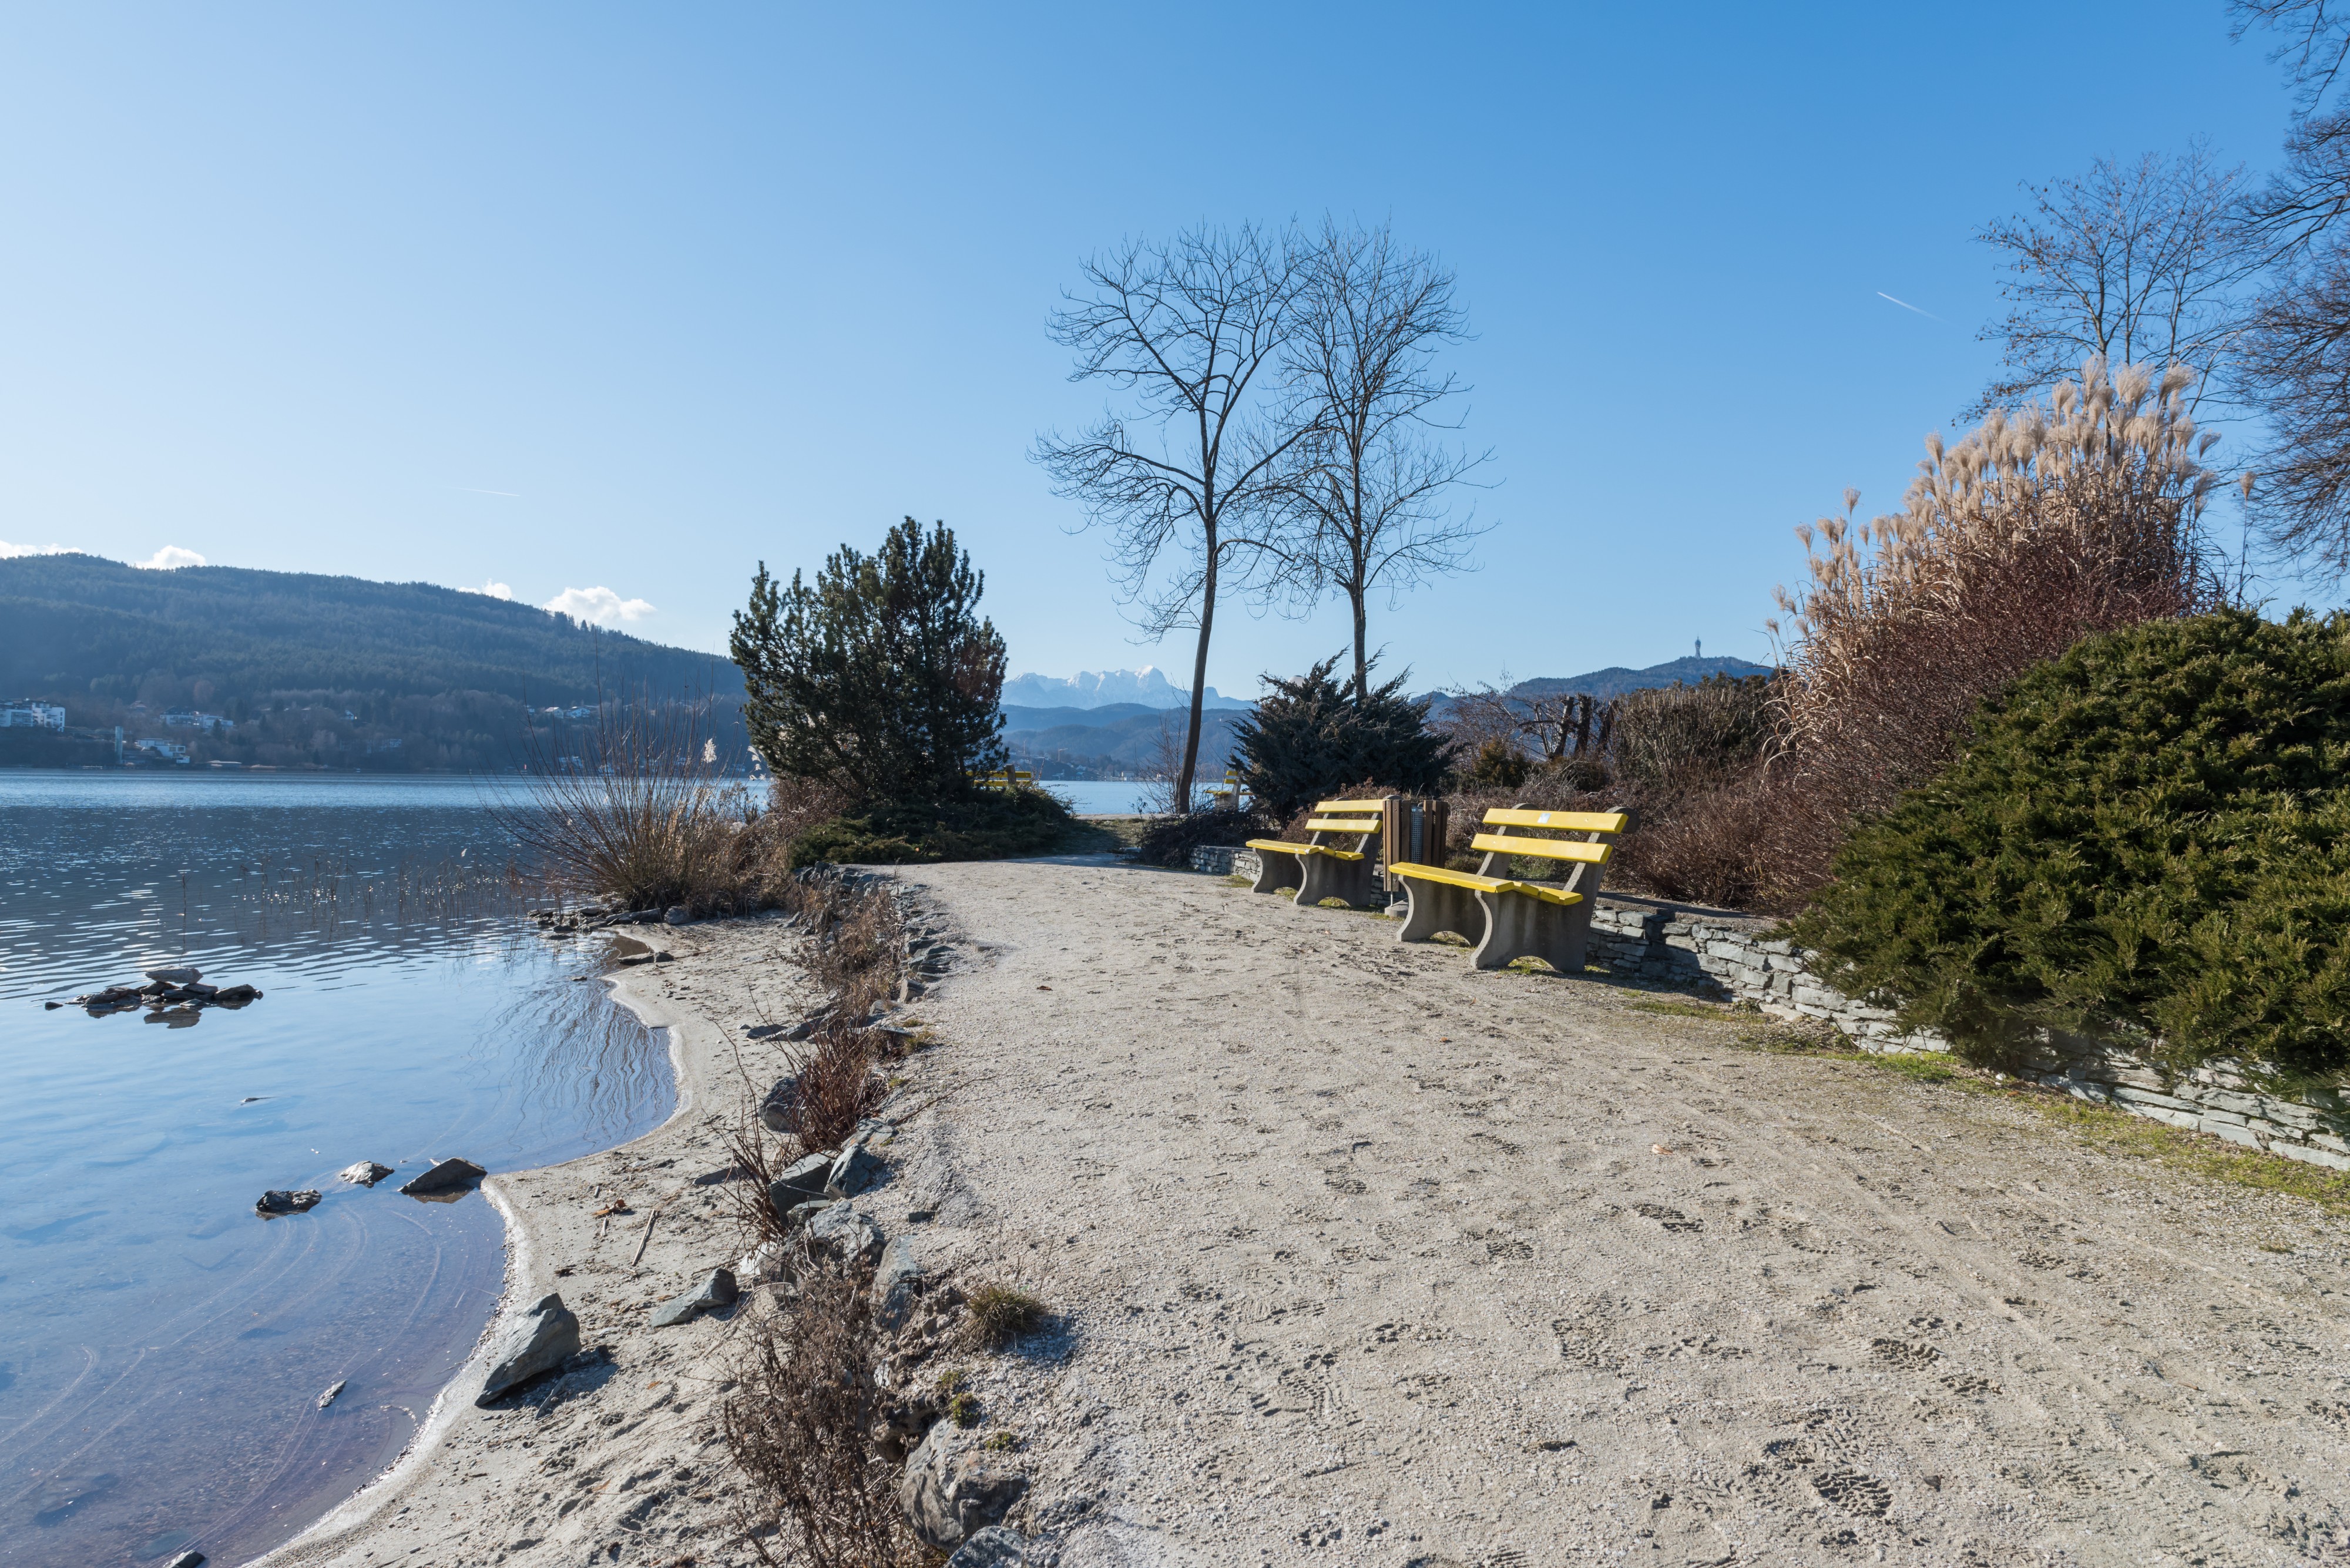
588	297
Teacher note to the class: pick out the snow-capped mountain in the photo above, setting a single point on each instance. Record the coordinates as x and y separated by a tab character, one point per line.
1148	686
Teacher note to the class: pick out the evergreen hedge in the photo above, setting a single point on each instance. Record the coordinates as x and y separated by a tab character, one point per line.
2148	838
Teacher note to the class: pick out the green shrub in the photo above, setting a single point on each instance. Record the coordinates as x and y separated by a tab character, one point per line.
1170	840
1309	737
988	826
2147	839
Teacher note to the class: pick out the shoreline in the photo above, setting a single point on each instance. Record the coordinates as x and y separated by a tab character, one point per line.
555	1245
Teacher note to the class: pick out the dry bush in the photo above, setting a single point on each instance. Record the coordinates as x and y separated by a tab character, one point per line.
799	1424
650	824
1001	1312
834	1087
2039	529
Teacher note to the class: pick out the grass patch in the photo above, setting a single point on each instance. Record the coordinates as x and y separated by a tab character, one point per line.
1000	1314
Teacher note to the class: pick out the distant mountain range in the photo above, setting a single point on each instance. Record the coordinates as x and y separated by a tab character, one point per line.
1147	687
320	671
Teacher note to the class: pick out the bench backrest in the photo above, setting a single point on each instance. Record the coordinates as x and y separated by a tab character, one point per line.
1581	858
1337	818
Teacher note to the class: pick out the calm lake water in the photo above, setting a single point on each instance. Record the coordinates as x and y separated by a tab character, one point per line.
166	1348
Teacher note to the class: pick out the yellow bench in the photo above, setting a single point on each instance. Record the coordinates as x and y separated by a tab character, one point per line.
1322	868
1512	918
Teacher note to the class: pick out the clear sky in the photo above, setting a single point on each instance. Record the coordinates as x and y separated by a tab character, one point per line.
618	301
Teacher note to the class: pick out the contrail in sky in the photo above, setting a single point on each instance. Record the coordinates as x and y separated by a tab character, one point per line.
1906	306
516	495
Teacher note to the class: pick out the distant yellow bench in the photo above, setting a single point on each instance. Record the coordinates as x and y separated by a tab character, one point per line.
1323	867
1512	917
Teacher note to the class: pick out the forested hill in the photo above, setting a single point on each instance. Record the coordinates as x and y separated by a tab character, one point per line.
430	678
79	625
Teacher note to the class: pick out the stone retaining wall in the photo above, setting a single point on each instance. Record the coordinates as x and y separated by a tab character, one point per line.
1731	957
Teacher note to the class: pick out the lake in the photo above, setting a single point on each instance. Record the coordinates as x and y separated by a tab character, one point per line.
167	1346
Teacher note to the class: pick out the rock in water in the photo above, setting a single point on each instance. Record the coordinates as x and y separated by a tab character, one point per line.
953	1489
329	1396
802	1181
366	1173
717	1291
277	1201
537	1341
444	1176
174	976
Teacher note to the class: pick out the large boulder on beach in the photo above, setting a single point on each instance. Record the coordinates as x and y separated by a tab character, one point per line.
954	1488
537	1341
446	1176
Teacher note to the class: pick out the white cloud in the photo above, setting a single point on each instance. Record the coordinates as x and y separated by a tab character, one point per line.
491	590
170	558
9	552
601	606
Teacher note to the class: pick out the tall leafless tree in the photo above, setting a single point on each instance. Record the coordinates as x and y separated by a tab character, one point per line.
1368	489
1193	331
2296	350
2134	264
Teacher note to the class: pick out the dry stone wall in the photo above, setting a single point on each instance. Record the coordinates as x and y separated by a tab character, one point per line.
1731	957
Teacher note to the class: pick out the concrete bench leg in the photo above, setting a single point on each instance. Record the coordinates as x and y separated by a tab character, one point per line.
1439	907
1327	877
1518	927
1276	871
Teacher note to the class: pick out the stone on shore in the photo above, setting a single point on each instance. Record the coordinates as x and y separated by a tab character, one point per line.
716	1291
997	1546
839	1232
538	1341
858	1169
953	1489
277	1201
802	1181
445	1176
366	1173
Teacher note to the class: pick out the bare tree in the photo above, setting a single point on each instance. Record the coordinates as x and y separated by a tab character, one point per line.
1193	330
2137	265
1367	485
2296	350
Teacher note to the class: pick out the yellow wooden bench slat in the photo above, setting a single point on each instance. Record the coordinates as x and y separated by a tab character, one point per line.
1277	846
1566	821
1470	880
1342	825
1577	850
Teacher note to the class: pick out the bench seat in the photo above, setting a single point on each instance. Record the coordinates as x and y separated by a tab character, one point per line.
1476	884
1277	846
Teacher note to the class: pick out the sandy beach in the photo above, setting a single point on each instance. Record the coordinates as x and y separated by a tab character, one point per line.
1359	1256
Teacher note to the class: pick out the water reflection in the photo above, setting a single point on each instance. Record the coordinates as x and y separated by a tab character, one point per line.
167	1346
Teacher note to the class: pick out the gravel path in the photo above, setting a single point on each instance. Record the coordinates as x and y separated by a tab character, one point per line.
1365	1257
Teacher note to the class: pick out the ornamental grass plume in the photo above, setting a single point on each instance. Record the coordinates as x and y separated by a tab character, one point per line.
2039	529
